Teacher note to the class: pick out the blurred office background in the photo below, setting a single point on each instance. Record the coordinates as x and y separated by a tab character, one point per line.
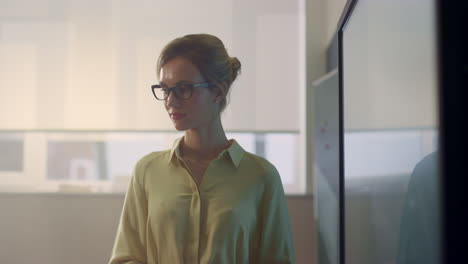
76	113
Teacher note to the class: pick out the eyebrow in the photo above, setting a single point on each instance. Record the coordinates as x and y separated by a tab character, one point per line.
179	82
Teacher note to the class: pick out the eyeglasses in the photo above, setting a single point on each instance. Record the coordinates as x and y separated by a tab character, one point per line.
181	90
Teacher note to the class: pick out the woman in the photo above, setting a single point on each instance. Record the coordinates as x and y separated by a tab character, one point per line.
206	200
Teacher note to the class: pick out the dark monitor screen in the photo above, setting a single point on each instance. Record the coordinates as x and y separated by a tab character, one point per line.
390	133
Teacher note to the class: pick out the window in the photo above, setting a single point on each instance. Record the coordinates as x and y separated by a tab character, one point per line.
103	161
70	66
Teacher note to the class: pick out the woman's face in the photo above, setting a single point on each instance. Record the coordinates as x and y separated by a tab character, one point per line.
198	111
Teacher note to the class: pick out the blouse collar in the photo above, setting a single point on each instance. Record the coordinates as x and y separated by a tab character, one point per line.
235	151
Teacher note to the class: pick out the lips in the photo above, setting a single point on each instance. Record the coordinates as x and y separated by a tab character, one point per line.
177	115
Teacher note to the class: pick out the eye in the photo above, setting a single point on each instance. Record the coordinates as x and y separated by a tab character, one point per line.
184	87
165	90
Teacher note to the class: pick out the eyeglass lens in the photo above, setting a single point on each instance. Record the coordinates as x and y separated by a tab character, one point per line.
182	91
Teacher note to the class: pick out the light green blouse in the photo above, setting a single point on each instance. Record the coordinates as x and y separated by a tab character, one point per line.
238	214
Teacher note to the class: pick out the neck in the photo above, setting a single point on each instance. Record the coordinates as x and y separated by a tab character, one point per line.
205	143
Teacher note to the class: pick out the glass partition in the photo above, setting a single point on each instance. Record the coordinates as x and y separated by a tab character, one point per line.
391	134
73	65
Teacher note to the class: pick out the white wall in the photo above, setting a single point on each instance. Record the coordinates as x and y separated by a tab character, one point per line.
334	10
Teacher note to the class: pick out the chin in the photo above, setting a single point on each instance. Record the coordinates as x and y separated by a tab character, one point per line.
180	127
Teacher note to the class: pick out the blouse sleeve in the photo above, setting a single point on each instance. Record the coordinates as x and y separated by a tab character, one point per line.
276	244
130	242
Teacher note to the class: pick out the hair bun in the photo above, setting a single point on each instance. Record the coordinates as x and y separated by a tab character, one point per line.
236	67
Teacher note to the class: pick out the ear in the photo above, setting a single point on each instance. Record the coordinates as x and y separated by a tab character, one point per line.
221	91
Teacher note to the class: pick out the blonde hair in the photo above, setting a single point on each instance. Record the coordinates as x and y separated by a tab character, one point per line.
208	54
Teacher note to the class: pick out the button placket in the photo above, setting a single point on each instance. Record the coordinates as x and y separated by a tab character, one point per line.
196	227
195	214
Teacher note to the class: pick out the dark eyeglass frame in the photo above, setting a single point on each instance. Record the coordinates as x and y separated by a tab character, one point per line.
171	89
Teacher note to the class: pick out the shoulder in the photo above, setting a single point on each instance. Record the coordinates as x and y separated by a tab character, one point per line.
263	167
153	157
270	185
156	159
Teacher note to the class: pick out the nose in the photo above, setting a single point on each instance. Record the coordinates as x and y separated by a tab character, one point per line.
172	100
